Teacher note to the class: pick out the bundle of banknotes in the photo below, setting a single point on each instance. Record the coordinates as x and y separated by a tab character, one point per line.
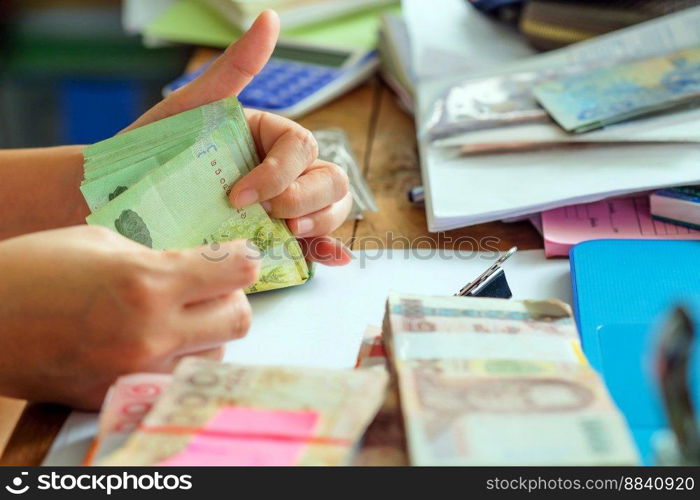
132	398
384	443
608	95
212	413
499	382
165	186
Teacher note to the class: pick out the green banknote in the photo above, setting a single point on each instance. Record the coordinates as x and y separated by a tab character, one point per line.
608	95
166	186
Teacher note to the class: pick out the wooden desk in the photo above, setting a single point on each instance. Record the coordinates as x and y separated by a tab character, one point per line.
383	138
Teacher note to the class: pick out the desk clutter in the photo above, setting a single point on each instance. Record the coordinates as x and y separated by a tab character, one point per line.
470	377
609	116
595	143
461	380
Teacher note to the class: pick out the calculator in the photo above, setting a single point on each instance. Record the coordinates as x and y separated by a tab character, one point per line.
298	79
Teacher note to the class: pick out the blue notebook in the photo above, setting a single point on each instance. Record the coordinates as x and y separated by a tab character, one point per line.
623	290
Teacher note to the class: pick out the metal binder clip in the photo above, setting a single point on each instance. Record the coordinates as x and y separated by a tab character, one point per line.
490	283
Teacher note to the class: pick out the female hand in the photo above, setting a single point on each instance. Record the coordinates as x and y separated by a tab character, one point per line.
291	182
83	305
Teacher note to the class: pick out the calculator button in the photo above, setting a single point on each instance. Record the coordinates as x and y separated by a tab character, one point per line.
283	84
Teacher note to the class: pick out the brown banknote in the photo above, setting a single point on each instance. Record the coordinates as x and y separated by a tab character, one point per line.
384	443
222	414
499	382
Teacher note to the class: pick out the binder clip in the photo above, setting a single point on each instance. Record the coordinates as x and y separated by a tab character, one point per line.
492	282
680	445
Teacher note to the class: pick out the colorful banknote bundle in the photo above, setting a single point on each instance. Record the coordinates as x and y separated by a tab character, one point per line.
127	403
499	382
384	443
165	186
222	414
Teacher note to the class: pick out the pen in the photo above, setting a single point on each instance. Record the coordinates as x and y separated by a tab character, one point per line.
416	195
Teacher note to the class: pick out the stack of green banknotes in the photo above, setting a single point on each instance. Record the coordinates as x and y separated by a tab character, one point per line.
165	185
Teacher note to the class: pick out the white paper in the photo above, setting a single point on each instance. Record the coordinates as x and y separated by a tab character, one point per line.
451	36
321	323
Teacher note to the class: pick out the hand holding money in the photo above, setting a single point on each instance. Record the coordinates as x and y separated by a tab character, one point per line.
311	195
85	305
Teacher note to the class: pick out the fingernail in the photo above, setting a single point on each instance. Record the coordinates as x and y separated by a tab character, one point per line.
246	198
267	206
304	225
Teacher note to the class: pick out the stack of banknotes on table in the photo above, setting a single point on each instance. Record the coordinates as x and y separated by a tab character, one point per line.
165	185
499	382
468	381
213	413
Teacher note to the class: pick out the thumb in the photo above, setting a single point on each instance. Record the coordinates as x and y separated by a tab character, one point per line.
216	269
236	67
227	76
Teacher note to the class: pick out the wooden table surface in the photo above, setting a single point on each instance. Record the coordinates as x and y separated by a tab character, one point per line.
383	139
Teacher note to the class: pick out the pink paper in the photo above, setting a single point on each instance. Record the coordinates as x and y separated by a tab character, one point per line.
615	218
249	436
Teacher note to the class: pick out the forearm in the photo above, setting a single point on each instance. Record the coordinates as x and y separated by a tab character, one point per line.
39	189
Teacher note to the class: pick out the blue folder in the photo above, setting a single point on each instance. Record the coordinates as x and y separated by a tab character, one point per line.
623	290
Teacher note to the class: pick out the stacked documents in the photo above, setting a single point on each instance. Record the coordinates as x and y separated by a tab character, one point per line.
482	131
628	217
165	185
293	13
220	414
395	50
345	25
499	382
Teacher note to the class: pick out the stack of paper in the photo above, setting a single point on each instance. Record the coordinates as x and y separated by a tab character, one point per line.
616	218
293	13
199	23
395	51
462	191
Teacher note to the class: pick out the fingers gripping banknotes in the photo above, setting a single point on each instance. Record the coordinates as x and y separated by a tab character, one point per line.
165	186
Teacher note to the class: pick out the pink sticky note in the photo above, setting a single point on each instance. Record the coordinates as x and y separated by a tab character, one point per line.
615	218
249	436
